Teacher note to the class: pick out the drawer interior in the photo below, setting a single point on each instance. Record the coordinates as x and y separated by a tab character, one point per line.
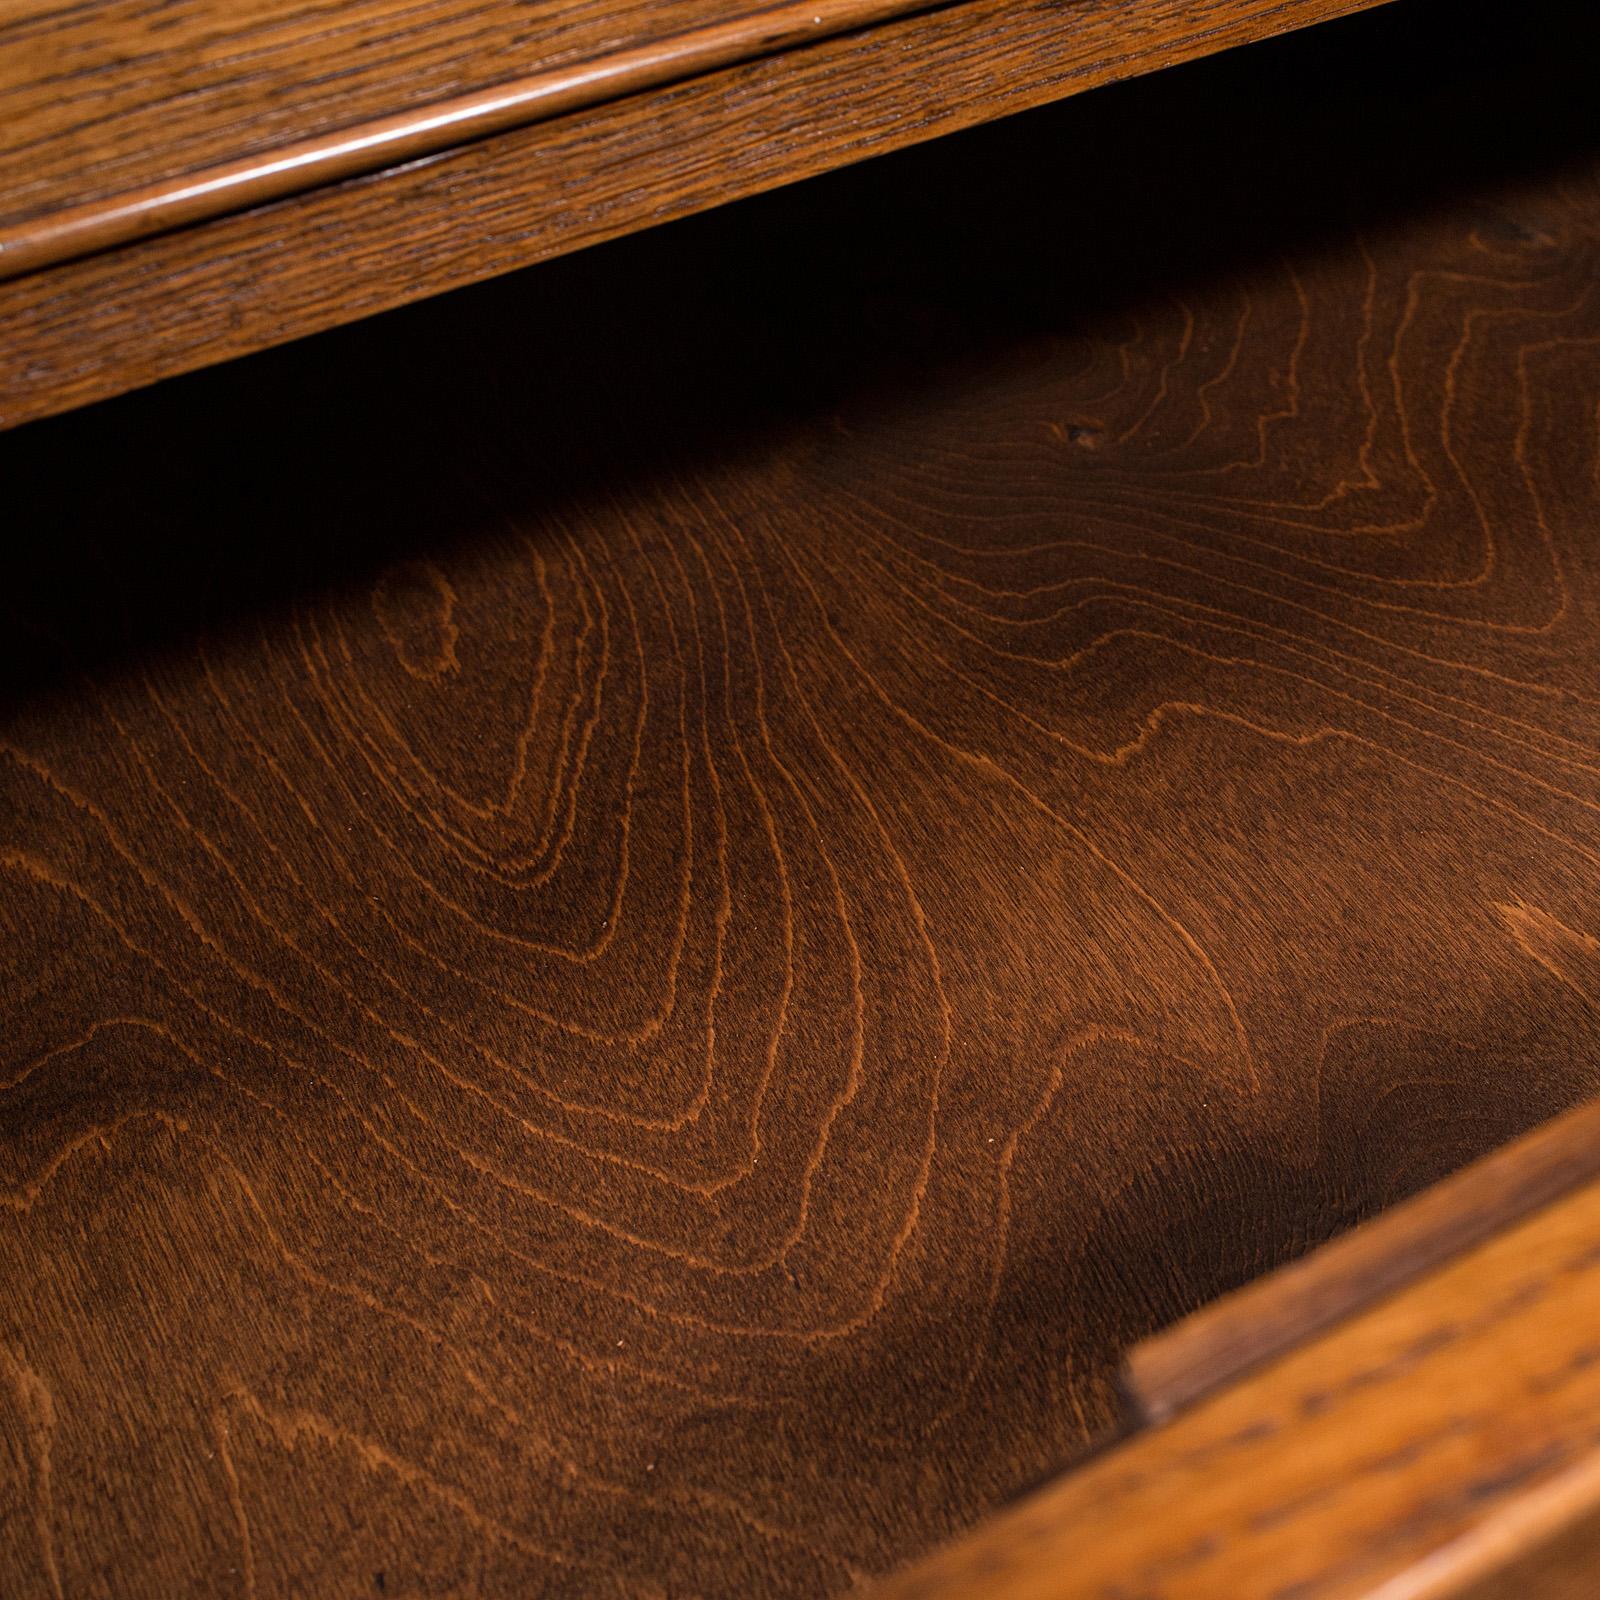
650	910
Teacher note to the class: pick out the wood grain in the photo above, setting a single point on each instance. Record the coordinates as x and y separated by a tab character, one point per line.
650	911
109	96
1555	1558
1444	1445
97	327
1222	1341
232	182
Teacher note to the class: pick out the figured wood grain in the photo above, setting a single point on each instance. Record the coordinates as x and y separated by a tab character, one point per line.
1443	1445
91	328
649	912
1222	1341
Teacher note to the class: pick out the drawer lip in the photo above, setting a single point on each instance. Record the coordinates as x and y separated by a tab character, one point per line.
1221	1343
98	325
46	236
1434	1436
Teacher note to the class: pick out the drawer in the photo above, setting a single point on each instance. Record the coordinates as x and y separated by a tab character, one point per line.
177	189
653	909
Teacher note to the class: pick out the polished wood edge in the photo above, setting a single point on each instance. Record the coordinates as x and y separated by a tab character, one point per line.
1535	1546
1222	1341
1442	1444
61	235
121	319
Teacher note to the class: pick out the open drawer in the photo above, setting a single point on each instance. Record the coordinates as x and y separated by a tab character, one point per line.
651	910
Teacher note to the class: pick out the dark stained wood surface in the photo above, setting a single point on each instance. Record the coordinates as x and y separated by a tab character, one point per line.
1224	1340
650	911
1443	1446
96	327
